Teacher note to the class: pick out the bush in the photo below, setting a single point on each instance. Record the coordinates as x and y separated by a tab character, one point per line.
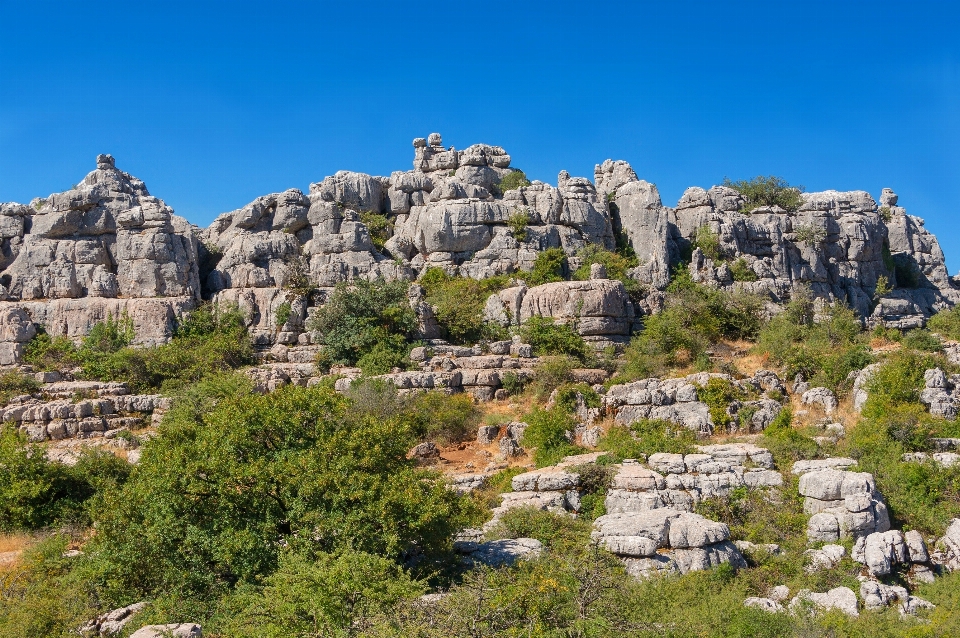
547	432
550	339
551	373
513	180
366	317
693	318
331	595
517	223
14	384
811	234
923	340
767	191
567	397
234	476
379	226
37	493
785	443
206	341
647	437
458	304
742	271
708	242
512	383
823	351
445	418
618	265
550	528
718	394
282	316
549	266
946	323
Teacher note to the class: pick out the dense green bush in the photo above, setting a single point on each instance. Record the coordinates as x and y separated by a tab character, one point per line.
767	191
207	341
549	338
14	384
37	493
234	476
824	351
786	443
694	317
742	271
645	437
518	222
718	394
379	226
708	242
458	304
513	180
547	432
549	266
920	339
341	594
366	318
566	398
946	323
551	373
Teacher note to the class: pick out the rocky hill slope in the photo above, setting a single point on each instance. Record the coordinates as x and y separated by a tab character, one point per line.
107	246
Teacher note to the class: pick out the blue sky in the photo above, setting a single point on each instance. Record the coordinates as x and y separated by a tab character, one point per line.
215	103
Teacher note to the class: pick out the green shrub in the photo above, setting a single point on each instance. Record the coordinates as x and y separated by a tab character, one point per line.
567	396
882	289
718	393
811	234
445	418
333	595
742	271
767	191
708	242
693	318
823	351
549	266
547	432
458	304
617	265
37	493
513	180
550	528
786	443
234	475
551	373
646	437
517	222
366	317
885	214
946	323
379	226
920	339
512	383
206	341
550	339
283	312
898	382
14	384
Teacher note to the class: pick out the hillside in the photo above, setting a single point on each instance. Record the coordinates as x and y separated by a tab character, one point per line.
452	402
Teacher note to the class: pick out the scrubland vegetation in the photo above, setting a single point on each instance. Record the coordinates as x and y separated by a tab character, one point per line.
298	513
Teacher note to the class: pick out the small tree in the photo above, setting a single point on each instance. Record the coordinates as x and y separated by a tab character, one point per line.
513	180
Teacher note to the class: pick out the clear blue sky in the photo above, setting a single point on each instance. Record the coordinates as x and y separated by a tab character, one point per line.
215	103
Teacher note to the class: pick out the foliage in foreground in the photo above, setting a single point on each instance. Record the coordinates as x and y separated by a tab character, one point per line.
235	476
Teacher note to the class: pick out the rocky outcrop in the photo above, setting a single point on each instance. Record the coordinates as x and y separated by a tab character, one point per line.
666	540
842	504
104	248
176	630
107	246
676	400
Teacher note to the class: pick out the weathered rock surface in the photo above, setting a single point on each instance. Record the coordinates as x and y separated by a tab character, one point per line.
676	400
681	482
842	504
107	247
177	630
666	540
840	598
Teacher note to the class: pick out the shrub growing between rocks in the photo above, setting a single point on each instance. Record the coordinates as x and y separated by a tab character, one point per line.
767	191
458	304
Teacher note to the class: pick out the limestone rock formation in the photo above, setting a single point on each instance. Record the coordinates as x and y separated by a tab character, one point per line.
107	247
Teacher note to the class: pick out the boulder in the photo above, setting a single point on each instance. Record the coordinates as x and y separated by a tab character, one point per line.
178	630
